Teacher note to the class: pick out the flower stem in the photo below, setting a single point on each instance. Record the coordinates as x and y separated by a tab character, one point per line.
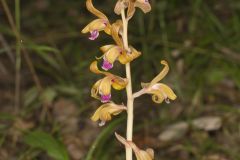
139	93
130	98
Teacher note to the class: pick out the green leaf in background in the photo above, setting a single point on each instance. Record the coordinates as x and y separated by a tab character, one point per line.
44	141
30	96
216	75
48	95
46	53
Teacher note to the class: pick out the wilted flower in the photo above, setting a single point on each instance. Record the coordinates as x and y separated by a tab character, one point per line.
103	86
104	112
159	91
97	25
144	5
117	52
140	154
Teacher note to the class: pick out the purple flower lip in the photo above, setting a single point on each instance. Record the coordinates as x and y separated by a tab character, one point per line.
146	1
106	65
105	98
94	35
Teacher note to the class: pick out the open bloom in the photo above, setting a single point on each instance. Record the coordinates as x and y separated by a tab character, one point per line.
117	52
114	52
104	112
97	25
140	154
144	5
159	91
103	86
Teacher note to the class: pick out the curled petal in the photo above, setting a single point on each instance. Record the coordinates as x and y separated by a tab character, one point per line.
106	48
112	53
144	5
126	57
140	154
158	97
95	89
145	155
150	152
94	11
131	9
119	6
107	29
168	91
115	31
119	83
104	112
161	92
122	140
95	25
105	86
162	74
94	69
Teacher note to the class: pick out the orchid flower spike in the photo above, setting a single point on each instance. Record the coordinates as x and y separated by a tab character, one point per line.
159	91
103	86
97	25
140	154
104	112
144	5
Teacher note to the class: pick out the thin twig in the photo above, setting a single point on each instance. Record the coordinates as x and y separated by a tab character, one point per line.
3	69
7	48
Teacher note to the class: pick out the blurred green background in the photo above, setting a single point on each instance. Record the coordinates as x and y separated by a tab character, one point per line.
200	40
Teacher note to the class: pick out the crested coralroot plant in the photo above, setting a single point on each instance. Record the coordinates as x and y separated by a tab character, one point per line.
124	53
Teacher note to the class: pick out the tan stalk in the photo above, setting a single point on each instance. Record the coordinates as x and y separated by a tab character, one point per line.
130	98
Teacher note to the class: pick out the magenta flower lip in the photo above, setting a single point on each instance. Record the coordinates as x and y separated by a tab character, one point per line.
94	35
105	98
106	65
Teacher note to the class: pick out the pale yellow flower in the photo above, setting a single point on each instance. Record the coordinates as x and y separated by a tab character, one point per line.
159	91
140	154
104	112
144	5
103	86
97	25
114	52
